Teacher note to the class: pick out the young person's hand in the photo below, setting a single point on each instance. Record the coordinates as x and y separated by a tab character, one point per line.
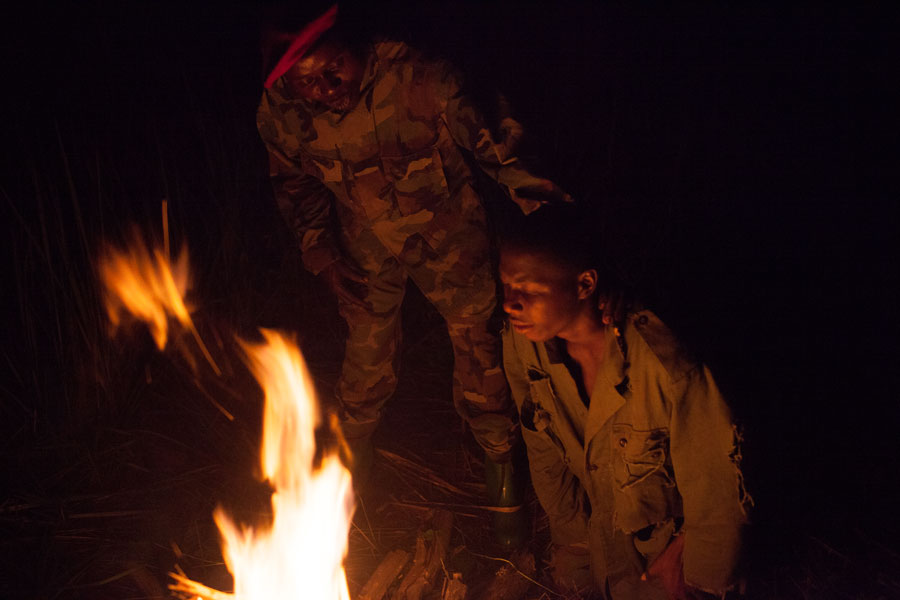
668	569
342	277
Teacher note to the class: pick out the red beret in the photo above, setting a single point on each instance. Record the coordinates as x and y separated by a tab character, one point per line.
300	42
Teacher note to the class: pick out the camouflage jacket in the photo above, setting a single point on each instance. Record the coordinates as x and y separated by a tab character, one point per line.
654	444
397	163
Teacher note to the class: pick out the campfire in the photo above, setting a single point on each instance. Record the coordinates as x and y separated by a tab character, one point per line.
301	553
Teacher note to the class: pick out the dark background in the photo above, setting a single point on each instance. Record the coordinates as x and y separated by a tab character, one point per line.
742	160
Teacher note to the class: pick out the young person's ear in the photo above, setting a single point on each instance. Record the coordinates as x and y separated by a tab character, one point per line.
587	283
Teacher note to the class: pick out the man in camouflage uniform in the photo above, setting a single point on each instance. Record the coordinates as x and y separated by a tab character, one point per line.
371	153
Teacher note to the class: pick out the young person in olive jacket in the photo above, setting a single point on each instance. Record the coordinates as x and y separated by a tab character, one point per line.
632	449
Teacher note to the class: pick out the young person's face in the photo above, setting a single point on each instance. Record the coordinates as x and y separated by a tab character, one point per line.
331	75
542	298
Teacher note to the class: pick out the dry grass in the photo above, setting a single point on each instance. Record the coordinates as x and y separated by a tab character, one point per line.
112	484
117	454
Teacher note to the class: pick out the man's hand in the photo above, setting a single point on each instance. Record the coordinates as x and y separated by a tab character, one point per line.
341	277
668	568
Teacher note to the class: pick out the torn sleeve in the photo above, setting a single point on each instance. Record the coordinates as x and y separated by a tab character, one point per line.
707	471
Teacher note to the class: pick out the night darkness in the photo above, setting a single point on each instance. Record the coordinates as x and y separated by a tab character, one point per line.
742	161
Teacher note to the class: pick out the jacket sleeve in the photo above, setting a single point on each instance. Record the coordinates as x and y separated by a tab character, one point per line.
706	458
558	490
304	201
496	157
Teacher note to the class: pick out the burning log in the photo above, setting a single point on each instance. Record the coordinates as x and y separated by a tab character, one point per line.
510	582
429	559
384	575
454	588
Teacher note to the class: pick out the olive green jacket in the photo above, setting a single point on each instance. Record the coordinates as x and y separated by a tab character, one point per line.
396	164
654	445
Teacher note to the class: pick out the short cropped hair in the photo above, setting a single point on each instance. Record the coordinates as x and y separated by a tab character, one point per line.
564	233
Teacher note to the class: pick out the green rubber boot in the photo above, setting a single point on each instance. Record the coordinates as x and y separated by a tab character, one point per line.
504	490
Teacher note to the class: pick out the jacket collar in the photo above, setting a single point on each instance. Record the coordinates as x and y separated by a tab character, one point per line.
613	375
614	366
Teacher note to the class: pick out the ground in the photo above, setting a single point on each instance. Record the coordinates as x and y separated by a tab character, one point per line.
109	511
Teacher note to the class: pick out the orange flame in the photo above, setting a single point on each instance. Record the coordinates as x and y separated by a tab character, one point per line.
152	289
301	555
148	286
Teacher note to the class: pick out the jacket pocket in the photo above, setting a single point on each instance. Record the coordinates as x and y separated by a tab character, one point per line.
418	180
537	423
644	490
329	171
641	456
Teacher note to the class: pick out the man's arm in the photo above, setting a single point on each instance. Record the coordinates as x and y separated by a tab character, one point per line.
306	204
304	201
496	157
706	459
559	491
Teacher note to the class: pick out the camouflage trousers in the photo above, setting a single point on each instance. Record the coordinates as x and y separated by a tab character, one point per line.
457	279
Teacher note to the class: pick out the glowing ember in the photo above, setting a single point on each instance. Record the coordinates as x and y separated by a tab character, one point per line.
147	285
301	555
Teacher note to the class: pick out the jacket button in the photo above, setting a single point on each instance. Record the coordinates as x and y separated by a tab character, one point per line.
642	320
623	442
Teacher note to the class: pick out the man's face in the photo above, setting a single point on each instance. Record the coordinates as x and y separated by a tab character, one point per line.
330	75
540	296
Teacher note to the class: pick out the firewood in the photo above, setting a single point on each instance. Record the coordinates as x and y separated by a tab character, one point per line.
454	588
384	575
428	562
